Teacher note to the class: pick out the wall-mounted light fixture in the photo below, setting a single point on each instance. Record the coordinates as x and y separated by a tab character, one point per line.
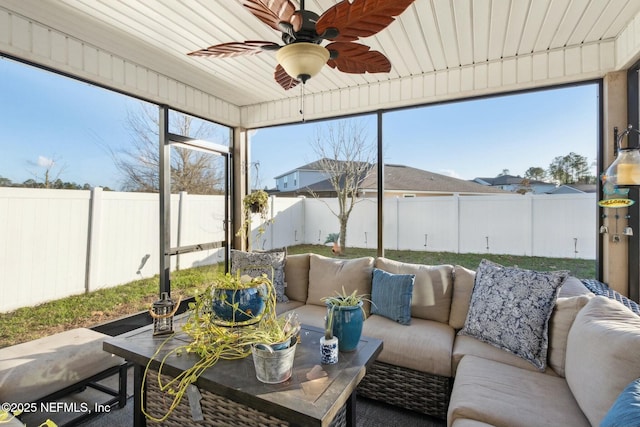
625	169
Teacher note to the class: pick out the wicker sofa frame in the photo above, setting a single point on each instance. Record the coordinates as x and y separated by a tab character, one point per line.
406	388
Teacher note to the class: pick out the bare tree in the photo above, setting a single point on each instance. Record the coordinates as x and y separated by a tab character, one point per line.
51	170
191	170
346	157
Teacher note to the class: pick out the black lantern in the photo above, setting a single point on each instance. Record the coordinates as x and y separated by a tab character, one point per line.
162	313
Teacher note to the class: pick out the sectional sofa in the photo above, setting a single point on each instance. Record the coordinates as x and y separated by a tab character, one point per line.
455	360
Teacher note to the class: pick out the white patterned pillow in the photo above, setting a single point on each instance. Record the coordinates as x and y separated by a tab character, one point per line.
510	309
255	264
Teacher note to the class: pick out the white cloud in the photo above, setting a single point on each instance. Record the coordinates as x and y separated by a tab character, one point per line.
45	162
450	172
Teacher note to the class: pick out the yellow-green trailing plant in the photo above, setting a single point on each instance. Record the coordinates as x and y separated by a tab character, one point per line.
210	342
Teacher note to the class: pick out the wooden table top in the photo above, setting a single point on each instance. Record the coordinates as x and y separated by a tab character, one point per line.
312	396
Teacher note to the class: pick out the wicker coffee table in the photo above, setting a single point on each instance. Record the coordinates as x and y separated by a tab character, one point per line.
231	394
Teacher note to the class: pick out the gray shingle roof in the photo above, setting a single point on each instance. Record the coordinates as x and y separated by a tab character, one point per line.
508	180
411	180
406	178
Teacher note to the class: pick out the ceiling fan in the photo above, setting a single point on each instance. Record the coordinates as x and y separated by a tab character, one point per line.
303	31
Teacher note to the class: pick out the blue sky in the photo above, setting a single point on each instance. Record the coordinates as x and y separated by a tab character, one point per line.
470	139
48	117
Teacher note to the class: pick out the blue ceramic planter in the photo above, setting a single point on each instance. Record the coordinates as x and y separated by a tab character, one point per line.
238	307
347	326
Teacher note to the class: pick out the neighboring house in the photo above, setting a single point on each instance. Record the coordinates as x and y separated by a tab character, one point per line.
301	177
517	184
573	189
399	181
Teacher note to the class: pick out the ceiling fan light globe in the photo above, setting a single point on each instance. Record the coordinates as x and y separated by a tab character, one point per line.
302	60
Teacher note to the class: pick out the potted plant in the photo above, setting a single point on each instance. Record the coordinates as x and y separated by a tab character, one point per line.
329	343
238	300
256	202
273	356
347	313
211	342
334	238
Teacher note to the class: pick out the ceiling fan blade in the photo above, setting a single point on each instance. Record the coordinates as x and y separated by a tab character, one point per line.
360	18
226	50
355	58
271	12
284	79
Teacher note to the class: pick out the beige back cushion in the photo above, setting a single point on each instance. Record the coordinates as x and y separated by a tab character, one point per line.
296	277
329	275
573	287
463	280
562	317
602	355
432	288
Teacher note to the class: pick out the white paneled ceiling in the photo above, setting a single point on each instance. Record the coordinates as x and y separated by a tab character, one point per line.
429	39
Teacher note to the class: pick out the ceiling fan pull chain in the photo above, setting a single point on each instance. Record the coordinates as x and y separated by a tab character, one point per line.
302	101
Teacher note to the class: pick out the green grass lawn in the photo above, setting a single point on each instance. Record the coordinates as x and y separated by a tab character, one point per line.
100	306
97	307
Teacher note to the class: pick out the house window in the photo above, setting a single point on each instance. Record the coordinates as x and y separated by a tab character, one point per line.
285	181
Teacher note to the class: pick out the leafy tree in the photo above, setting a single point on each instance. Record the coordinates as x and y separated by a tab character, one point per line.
191	170
535	174
58	184
346	157
504	172
570	169
49	178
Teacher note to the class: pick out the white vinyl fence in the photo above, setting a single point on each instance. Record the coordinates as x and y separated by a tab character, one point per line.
560	226
55	243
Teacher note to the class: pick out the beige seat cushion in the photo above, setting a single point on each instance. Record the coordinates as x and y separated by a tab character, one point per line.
432	288
296	277
503	395
329	275
34	369
463	280
466	345
424	346
603	355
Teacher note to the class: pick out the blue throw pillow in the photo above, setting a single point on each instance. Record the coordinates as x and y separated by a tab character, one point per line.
625	411
391	295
